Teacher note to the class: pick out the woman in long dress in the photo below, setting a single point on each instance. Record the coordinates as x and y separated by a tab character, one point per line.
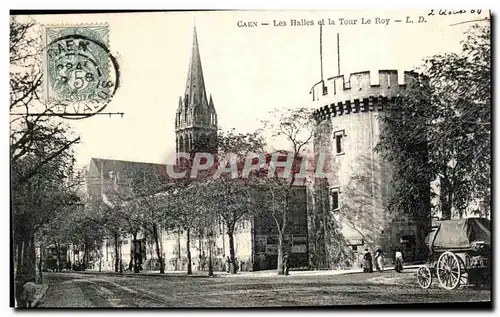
379	260
367	262
398	263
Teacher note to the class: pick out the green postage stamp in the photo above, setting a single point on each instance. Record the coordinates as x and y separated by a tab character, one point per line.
78	68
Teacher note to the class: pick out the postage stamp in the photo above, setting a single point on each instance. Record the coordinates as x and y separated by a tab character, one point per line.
81	75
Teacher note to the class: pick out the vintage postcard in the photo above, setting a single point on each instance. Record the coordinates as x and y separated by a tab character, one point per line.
251	158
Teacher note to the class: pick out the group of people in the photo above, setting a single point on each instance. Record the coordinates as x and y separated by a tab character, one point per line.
368	262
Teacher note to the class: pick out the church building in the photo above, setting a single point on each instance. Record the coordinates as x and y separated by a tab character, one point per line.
255	239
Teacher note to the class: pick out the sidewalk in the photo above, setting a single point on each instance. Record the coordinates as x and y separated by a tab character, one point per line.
247	274
41	289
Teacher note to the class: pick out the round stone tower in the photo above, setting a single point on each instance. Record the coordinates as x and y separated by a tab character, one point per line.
354	196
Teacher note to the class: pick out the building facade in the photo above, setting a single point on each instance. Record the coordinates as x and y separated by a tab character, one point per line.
354	197
255	238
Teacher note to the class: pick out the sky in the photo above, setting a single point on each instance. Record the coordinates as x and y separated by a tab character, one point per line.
249	71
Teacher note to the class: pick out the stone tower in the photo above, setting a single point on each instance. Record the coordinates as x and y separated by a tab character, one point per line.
196	118
354	198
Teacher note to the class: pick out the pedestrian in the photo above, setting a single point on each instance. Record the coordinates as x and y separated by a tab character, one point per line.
379	260
29	292
228	264
236	266
398	267
285	263
203	264
367	262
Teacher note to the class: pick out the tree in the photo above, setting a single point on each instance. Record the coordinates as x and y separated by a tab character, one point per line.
440	129
297	127
190	209
42	173
229	196
28	129
146	185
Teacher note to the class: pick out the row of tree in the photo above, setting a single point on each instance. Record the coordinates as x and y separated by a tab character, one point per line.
148	202
44	182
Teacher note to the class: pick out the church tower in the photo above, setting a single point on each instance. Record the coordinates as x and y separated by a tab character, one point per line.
196	118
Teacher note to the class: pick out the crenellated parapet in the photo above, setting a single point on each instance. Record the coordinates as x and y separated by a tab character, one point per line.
362	92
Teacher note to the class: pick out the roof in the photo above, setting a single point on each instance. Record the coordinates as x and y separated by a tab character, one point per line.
195	83
116	175
460	233
115	186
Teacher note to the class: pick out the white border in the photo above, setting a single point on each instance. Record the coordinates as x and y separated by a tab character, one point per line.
192	4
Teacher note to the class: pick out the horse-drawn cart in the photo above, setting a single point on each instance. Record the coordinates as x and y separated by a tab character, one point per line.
459	253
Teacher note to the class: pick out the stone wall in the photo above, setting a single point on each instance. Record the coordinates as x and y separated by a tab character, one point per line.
348	131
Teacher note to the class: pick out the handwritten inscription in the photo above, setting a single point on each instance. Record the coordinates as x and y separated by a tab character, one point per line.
453	12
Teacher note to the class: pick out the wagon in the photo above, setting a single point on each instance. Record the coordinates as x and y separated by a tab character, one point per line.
459	253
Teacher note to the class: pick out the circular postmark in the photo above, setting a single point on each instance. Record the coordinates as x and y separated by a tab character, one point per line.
81	73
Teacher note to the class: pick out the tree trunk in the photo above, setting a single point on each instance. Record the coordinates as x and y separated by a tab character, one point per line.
178	260
282	231
40	261
231	250
134	254
444	198
280	253
31	259
188	251
117	256
120	258
26	269
58	258
19	249
85	254
158	251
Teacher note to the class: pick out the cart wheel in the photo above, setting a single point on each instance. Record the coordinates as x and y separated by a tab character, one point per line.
448	270
424	277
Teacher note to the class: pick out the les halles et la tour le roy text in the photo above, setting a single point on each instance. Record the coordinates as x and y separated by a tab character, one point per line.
329	21
357	21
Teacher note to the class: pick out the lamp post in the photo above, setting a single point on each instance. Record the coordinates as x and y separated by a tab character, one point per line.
210	269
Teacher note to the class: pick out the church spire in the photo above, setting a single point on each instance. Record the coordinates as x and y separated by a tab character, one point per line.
195	85
196	118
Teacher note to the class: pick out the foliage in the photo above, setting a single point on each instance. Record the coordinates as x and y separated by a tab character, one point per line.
297	127
230	196
441	129
44	182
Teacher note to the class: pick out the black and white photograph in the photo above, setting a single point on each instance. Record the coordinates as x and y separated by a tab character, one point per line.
250	159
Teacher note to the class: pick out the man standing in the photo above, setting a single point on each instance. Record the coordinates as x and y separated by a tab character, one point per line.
285	264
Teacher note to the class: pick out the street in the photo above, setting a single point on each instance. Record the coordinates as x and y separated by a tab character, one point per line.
106	290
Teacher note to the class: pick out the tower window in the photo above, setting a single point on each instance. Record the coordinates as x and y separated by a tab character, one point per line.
334	197
339	142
